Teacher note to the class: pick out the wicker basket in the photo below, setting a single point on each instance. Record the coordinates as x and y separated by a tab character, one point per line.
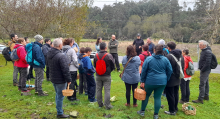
188	112
140	94
29	86
67	92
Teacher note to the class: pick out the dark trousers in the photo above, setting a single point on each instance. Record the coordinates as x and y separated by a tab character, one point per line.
22	79
204	85
91	86
172	95
82	83
138	52
47	72
128	92
30	75
184	86
115	56
72	85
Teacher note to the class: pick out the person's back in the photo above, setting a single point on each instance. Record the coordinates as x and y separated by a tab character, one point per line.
38	55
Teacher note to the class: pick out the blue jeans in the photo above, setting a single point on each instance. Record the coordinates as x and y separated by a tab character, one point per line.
91	86
59	96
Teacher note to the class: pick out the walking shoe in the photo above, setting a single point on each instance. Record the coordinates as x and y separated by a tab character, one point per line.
135	105
156	117
126	104
170	113
198	101
181	102
93	101
63	116
109	107
141	113
15	84
206	98
41	93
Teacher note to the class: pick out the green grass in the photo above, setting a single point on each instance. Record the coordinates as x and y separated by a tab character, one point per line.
13	105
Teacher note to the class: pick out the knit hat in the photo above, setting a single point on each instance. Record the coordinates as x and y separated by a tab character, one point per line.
161	42
38	38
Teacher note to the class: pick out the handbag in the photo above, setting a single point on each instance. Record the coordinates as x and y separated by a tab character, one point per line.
121	74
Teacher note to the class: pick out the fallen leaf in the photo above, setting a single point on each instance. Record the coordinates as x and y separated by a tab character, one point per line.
74	114
4	96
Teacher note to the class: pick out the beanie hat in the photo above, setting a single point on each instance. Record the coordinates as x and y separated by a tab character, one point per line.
38	38
161	42
139	34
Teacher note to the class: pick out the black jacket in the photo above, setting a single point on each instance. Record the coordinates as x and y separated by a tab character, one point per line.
137	43
205	59
58	65
174	79
109	63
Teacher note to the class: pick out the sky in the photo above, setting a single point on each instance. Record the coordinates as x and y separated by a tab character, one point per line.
101	3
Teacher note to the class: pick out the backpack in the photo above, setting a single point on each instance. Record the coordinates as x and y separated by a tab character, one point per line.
190	70
165	51
29	57
67	56
14	54
214	62
145	56
6	53
179	66
81	66
101	65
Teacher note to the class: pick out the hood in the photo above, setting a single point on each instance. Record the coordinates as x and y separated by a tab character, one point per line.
177	53
52	52
187	58
81	55
147	53
17	45
65	47
157	56
38	44
134	59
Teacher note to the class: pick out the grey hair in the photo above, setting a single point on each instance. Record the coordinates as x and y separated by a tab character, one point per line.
150	38
57	42
204	42
113	35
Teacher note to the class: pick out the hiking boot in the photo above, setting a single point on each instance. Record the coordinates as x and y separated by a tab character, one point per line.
170	113
41	93
141	113
63	116
198	101
15	84
156	117
181	102
206	98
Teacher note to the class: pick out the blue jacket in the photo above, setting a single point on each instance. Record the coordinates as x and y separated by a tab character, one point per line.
131	74
151	48
87	64
156	70
76	45
97	47
38	55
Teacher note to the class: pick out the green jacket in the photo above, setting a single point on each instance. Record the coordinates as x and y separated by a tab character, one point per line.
113	46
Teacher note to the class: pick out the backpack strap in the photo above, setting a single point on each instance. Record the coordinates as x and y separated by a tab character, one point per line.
97	56
104	56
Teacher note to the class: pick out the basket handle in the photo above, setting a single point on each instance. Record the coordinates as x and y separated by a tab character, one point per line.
29	84
68	86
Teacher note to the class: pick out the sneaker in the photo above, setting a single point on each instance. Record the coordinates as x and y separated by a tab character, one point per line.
181	102
41	93
206	98
156	117
170	113
15	84
135	105
93	101
63	116
109	107
141	113
126	104
198	101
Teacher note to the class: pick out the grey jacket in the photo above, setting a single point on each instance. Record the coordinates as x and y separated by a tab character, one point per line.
72	57
113	46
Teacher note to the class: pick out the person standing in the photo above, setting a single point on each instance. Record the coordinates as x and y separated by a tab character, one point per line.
30	71
113	49
75	45
11	44
143	56
131	76
165	50
39	69
59	74
205	70
97	45
138	43
172	87
45	49
151	45
104	80
73	65
184	86
154	78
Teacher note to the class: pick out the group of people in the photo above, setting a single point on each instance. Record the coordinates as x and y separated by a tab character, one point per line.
157	68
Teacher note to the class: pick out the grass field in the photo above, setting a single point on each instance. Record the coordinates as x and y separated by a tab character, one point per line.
13	105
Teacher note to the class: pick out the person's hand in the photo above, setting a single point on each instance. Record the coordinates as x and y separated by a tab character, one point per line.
69	83
115	44
142	85
139	46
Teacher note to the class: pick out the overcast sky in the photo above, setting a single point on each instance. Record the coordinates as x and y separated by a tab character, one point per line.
101	3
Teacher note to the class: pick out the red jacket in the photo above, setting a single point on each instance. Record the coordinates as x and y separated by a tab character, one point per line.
142	57
22	63
187	59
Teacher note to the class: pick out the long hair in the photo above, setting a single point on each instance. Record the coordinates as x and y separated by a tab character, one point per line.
131	51
98	39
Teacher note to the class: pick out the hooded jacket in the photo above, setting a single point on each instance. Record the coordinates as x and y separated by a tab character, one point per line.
138	43
156	70
205	59
113	46
21	55
58	64
38	55
72	57
87	64
77	46
143	55
187	59
174	79
131	73
45	49
109	61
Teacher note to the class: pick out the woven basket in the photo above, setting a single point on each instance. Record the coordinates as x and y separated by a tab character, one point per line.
140	94
188	112
67	92
30	88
